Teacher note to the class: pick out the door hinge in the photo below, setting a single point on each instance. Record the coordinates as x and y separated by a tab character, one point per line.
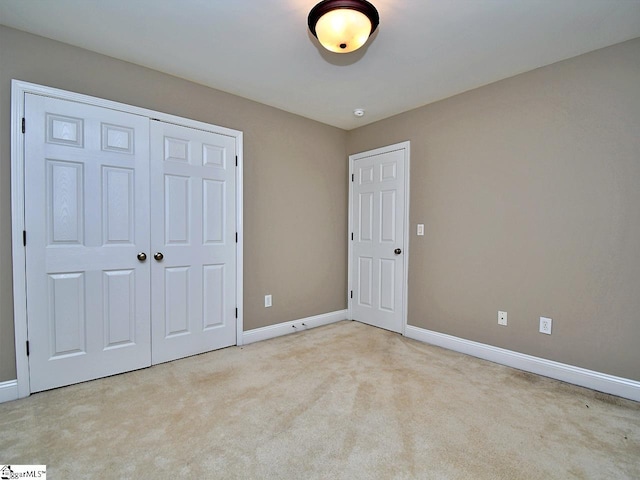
24	238
236	312
24	122
351	293
27	348
236	160
352	177
351	235
236	237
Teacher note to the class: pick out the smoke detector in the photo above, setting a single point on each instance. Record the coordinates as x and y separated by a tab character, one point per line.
358	112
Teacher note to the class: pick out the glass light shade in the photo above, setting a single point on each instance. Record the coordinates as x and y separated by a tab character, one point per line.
343	30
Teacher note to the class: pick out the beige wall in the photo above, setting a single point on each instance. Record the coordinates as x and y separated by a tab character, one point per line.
529	189
295	198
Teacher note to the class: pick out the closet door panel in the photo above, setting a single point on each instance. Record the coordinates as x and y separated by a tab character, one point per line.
193	229
86	218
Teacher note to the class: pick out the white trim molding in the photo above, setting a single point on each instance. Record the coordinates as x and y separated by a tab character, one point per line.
8	391
601	382
285	328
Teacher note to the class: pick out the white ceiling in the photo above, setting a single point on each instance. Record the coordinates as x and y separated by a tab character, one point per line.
423	51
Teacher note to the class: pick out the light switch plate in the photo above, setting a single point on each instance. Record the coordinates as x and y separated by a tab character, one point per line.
420	230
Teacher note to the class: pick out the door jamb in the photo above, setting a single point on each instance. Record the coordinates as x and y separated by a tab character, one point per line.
18	90
405	258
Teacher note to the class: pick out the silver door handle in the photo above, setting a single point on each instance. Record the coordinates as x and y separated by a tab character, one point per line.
158	256
142	256
397	251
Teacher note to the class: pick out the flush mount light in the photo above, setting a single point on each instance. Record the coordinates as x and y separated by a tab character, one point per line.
343	26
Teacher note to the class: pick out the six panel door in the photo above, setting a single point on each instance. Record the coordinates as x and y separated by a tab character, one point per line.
193	230
378	212
131	253
86	217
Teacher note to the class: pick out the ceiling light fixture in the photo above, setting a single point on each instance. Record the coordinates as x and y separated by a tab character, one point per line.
343	26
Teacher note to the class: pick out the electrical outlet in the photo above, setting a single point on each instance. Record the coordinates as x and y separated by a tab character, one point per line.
267	301
545	325
502	318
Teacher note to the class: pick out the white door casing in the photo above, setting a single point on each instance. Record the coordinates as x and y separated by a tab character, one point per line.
86	214
97	200
378	250
193	227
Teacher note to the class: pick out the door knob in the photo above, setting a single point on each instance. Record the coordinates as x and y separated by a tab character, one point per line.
142	256
158	256
397	251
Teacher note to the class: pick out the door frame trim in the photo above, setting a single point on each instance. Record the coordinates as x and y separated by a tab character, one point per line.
406	146
18	90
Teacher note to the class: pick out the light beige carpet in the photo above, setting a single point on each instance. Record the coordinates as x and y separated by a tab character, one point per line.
345	401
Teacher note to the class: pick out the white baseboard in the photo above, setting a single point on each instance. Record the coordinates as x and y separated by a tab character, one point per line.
279	329
601	382
8	391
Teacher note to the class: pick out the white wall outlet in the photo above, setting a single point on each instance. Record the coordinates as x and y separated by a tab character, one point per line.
502	318
545	325
420	230
267	301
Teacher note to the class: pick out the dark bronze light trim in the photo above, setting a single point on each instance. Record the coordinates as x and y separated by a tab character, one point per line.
327	6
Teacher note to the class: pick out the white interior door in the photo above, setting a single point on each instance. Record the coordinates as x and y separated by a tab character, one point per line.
193	226
86	219
378	214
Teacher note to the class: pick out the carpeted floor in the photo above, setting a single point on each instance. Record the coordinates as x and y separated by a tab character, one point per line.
345	401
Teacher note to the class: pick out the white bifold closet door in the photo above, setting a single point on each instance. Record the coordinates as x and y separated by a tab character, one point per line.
86	218
193	228
131	243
